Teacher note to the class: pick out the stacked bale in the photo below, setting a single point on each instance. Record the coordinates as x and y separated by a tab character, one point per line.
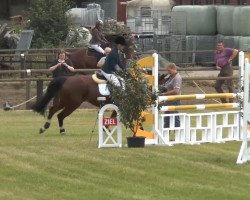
200	20
233	27
241	17
202	26
225	20
198	24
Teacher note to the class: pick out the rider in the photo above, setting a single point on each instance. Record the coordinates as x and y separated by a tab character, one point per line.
98	38
113	63
101	62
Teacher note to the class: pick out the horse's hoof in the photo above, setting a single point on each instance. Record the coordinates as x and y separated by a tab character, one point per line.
41	130
46	125
62	132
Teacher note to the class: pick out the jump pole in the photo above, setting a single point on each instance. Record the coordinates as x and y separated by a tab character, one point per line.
199	106
198	96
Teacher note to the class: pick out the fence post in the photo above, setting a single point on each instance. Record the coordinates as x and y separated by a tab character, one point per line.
28	93
23	67
39	89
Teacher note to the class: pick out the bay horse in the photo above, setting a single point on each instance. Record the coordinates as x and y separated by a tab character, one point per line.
67	98
68	93
88	58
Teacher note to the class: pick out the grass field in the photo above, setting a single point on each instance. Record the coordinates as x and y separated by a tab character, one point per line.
51	166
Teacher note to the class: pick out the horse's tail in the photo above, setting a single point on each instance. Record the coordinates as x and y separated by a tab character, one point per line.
53	88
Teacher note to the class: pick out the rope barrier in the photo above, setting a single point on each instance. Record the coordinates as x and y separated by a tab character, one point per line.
18	105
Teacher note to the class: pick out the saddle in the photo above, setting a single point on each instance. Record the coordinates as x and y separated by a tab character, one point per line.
102	83
98	77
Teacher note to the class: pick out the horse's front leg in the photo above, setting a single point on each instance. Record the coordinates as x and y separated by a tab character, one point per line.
47	123
66	111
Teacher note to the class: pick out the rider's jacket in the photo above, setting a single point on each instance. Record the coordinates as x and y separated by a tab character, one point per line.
112	60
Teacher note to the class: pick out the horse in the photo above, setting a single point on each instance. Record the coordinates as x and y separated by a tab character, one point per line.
68	94
88	58
68	97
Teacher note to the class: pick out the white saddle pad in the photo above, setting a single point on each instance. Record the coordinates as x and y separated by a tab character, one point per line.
103	89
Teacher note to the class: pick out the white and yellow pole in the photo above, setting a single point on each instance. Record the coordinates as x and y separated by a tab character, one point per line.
200	106
197	96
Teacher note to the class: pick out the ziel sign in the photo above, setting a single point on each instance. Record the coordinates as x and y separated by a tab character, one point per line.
109	121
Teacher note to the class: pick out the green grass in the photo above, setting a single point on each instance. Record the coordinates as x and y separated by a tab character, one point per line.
51	166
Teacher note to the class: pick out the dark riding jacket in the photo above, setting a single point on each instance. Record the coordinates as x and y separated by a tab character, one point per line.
112	60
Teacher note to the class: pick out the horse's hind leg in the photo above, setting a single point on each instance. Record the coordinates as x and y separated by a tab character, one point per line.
52	111
64	113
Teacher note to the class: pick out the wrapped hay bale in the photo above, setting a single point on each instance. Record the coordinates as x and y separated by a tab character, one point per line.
241	16
225	20
244	44
196	20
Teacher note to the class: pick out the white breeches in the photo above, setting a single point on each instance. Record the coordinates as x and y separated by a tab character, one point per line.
114	80
97	48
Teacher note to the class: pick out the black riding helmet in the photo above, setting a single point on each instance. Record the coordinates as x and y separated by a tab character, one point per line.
120	40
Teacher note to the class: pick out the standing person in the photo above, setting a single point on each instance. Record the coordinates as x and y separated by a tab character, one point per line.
113	63
172	86
98	38
62	66
223	61
101	62
61	69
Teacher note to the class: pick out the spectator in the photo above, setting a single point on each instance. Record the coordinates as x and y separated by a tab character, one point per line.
172	86
61	69
223	61
61	66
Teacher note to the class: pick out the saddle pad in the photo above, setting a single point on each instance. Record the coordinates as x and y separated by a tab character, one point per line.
103	89
97	80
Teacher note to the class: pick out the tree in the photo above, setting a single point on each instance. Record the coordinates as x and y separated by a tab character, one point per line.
137	97
49	22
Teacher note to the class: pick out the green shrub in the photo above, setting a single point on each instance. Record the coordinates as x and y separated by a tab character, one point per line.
49	22
137	97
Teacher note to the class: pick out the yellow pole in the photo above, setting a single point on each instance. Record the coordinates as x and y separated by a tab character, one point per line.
199	106
197	96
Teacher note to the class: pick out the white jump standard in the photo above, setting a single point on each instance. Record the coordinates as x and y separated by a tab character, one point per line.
205	127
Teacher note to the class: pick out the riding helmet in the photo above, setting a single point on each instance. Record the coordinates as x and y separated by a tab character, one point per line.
120	40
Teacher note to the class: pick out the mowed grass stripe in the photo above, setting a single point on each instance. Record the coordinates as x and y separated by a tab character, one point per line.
51	166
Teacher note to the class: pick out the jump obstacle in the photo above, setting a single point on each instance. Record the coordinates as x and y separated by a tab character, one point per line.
195	128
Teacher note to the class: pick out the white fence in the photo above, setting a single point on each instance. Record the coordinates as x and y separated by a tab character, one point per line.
197	128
